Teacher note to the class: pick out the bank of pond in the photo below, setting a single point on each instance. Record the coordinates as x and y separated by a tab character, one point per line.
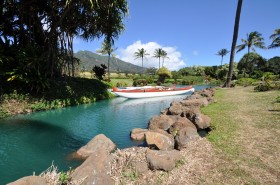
31	143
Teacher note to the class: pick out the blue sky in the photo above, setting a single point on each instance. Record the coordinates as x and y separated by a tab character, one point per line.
191	31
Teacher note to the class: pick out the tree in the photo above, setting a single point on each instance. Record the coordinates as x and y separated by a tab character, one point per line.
99	72
222	53
253	39
257	64
107	49
234	40
151	71
163	73
275	39
158	54
164	55
45	30
274	65
141	53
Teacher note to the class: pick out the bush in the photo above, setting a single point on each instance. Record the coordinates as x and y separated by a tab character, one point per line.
278	99
263	87
246	81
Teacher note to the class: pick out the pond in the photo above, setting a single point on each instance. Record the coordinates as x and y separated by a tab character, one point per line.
31	143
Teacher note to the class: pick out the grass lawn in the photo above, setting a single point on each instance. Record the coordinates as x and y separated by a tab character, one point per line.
246	135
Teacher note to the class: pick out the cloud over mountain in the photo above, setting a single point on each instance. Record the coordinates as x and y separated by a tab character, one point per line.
173	62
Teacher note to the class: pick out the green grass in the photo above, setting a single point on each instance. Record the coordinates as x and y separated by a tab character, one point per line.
62	93
245	126
223	127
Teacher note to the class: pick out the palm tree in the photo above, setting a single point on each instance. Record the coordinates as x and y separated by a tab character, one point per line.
107	49
234	40
253	39
157	54
141	53
222	53
164	55
276	39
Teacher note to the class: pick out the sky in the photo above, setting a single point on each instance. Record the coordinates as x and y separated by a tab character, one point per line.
190	31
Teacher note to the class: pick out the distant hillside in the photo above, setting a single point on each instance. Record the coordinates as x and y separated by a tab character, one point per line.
89	59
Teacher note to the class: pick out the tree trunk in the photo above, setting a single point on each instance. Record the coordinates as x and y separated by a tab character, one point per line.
234	40
109	67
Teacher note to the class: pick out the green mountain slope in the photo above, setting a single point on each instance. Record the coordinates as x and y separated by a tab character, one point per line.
89	59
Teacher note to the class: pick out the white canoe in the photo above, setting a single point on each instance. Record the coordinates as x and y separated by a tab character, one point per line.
151	92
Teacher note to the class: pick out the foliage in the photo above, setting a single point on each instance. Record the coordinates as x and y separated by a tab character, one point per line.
151	71
191	80
251	64
99	72
246	81
164	72
263	87
274	65
160	53
222	53
175	75
278	99
141	53
140	82
62	93
275	39
253	39
64	178
36	38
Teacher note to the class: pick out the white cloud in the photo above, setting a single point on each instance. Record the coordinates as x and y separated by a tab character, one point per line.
173	62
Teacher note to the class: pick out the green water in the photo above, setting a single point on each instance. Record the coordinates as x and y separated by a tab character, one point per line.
30	143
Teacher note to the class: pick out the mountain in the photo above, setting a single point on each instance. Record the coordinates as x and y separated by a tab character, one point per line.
89	59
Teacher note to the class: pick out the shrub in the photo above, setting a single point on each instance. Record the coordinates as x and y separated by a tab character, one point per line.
246	81
263	87
278	99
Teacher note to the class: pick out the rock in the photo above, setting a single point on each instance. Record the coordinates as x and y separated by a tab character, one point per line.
160	122
164	111
181	123
202	121
191	113
195	102
184	136
98	142
175	108
138	134
140	167
162	160
161	141
95	169
30	180
193	96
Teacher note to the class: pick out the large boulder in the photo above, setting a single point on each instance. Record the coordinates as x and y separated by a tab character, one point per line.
30	180
160	122
202	121
195	102
98	142
175	108
160	141
162	160
94	170
182	122
184	136
138	134
193	96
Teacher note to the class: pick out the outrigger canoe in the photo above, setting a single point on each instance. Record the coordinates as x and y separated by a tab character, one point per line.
148	92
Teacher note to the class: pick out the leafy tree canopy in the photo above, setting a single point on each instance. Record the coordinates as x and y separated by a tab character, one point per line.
252	62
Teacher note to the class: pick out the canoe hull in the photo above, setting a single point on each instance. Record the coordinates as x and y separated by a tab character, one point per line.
147	94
